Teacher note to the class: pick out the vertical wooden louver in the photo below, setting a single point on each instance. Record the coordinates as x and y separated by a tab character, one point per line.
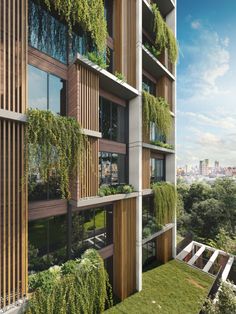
13	194
83	104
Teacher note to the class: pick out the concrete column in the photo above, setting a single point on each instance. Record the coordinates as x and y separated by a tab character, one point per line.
135	145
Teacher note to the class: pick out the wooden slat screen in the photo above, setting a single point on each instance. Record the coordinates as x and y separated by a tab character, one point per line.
13	55
164	246
146	168
83	88
124	248
13	191
13	214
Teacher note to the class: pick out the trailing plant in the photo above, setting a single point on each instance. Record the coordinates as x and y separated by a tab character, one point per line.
164	202
161	144
152	49
98	59
53	142
81	286
120	76
156	110
151	227
88	14
106	190
164	35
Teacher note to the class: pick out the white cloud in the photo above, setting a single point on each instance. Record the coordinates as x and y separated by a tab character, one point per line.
195	24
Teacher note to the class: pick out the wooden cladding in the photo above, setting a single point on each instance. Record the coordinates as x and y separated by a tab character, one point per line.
125	39
146	168
13	55
13	194
165	90
45	209
124	248
13	214
83	88
164	246
87	182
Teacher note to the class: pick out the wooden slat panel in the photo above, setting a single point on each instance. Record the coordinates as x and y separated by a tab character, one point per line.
44	209
124	248
83	88
164	246
146	168
165	90
13	192
112	146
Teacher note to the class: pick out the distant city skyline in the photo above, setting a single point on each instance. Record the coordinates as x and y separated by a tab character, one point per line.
206	93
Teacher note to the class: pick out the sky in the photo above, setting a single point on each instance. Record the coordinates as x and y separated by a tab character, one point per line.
206	82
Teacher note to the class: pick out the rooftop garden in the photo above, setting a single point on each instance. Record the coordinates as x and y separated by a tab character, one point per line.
170	288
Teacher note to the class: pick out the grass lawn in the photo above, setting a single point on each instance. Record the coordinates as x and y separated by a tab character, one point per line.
173	288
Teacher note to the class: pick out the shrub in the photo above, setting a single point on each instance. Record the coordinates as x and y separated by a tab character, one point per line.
79	286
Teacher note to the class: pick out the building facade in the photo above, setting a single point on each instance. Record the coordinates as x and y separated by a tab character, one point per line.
45	66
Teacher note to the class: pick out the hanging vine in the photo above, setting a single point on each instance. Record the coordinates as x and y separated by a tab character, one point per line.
164	202
88	14
80	286
156	110
54	143
164	35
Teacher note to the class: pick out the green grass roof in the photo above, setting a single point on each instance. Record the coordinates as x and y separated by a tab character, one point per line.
173	288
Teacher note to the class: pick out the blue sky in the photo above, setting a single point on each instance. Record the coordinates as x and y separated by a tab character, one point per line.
206	83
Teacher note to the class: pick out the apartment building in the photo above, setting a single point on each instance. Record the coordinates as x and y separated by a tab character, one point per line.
44	65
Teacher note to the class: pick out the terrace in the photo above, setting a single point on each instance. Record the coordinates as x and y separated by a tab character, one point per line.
170	288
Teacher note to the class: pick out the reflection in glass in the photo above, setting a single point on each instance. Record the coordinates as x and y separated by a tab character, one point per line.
149	252
91	228
112	121
155	134
149	86
112	168
157	168
47	242
38	86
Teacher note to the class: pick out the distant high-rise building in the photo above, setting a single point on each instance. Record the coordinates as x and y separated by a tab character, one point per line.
204	167
217	166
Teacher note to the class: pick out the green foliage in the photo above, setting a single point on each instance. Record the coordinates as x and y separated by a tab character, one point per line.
225	303
164	36
120	76
151	227
81	286
53	143
161	144
164	202
209	212
223	241
152	49
98	59
156	110
88	14
106	190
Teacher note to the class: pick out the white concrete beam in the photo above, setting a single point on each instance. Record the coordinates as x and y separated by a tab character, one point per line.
185	251
227	269
196	255
211	261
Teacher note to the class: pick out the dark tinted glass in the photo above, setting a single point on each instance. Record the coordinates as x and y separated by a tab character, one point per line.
57	95
112	168
157	169
149	252
149	86
47	242
112	121
92	228
109	16
155	134
46	33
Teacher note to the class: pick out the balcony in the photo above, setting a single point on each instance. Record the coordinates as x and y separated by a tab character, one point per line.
154	66
108	81
159	149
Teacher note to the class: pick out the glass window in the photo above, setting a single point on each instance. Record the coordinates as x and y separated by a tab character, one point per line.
155	134
79	44
149	86
149	252
46	33
47	242
109	16
112	168
92	228
157	169
112	120
149	222
46	91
